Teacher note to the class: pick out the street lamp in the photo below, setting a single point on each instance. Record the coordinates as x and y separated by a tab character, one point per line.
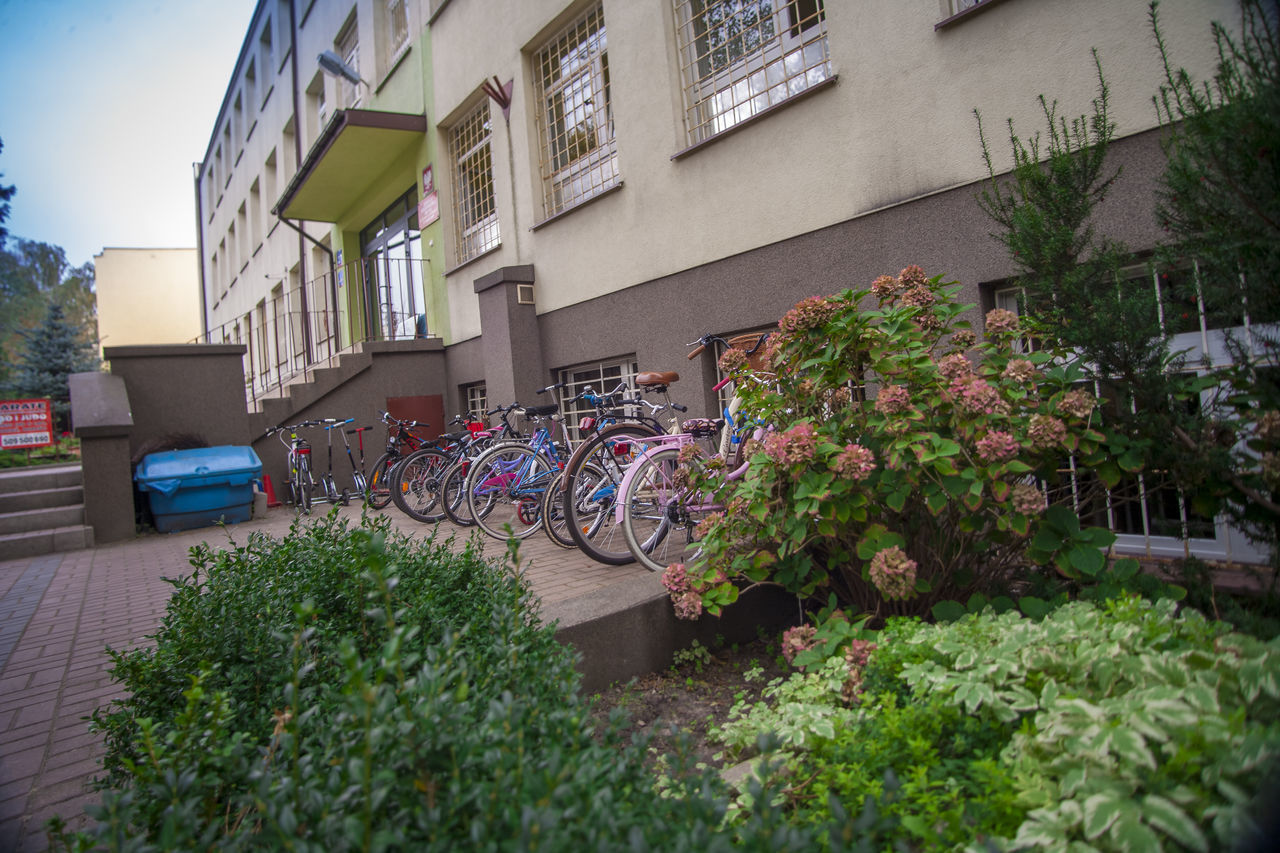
332	63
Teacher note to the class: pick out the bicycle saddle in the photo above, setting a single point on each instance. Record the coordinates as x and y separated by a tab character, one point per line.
650	378
541	411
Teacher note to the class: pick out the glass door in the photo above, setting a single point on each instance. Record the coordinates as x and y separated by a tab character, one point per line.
392	249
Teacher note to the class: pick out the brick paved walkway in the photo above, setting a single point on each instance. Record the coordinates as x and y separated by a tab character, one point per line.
59	612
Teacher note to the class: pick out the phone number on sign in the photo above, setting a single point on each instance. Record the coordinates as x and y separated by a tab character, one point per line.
25	439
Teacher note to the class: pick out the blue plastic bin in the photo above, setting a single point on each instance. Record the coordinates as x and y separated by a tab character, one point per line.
200	487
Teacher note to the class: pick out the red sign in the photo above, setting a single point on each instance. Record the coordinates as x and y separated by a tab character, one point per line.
428	210
25	423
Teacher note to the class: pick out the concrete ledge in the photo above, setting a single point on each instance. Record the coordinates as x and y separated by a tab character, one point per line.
629	629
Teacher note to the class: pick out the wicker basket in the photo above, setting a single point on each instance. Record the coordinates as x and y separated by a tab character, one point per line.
757	359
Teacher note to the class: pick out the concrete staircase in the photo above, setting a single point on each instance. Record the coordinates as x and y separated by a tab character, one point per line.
42	511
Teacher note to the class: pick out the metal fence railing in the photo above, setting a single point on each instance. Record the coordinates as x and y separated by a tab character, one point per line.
297	329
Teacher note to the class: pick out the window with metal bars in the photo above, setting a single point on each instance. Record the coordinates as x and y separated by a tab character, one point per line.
740	57
602	377
575	119
475	225
348	47
394	37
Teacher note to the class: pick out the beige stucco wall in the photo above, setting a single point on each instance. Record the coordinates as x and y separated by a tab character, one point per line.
147	296
898	125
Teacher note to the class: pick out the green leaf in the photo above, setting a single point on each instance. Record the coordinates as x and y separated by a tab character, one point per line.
1130	833
1100	812
1174	822
1086	560
948	611
1033	608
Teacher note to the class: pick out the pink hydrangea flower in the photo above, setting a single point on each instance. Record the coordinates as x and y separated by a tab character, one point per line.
855	462
808	314
1028	499
733	360
919	296
859	652
703	529
1001	322
893	400
978	397
893	573
1046	431
997	446
676	578
793	447
913	276
688	605
964	338
796	640
955	366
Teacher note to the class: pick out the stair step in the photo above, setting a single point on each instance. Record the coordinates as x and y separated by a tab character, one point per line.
15	546
38	478
41	498
41	518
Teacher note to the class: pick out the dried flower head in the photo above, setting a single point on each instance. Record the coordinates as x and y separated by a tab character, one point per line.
810	313
1020	370
884	288
1076	404
688	605
964	338
913	276
978	397
1028	499
1046	431
676	578
793	447
708	524
1001	322
893	573
955	366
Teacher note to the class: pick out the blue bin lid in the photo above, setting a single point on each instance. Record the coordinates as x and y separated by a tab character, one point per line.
169	471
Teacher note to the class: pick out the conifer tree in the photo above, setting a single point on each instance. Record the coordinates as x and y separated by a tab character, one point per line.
53	351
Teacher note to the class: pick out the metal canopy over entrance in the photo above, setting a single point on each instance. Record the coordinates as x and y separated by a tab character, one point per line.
355	149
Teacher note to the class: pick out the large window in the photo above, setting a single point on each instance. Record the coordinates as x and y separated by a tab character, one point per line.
740	57
575	118
602	377
347	46
393	36
476	219
477	398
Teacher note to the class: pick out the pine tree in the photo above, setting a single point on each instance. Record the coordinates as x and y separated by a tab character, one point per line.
54	350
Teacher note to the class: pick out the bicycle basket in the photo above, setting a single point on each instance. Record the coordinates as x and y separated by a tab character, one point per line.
746	343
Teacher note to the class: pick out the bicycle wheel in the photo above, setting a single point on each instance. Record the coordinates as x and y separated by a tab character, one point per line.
657	521
415	485
504	490
554	523
378	495
589	516
304	484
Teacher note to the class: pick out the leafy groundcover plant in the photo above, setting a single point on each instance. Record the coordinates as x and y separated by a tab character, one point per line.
350	689
1117	726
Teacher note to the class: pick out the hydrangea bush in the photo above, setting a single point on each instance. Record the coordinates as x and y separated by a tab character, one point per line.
908	459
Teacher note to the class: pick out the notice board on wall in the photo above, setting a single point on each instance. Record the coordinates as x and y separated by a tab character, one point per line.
26	423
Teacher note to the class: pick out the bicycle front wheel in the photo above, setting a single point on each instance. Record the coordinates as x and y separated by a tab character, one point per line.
415	485
554	522
657	519
504	490
304	485
379	492
590	491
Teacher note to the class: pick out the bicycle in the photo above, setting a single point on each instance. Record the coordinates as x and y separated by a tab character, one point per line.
505	485
399	436
415	483
330	486
301	483
357	473
589	487
658	512
453	501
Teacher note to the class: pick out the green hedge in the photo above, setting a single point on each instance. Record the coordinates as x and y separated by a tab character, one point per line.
349	689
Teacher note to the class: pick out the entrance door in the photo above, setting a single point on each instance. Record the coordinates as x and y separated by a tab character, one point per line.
392	249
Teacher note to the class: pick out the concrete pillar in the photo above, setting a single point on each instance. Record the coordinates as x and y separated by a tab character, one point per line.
513	366
103	421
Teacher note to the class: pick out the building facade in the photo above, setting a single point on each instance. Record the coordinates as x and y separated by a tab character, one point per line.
574	190
147	296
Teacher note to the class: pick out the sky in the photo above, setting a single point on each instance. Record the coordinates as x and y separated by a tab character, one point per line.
104	107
